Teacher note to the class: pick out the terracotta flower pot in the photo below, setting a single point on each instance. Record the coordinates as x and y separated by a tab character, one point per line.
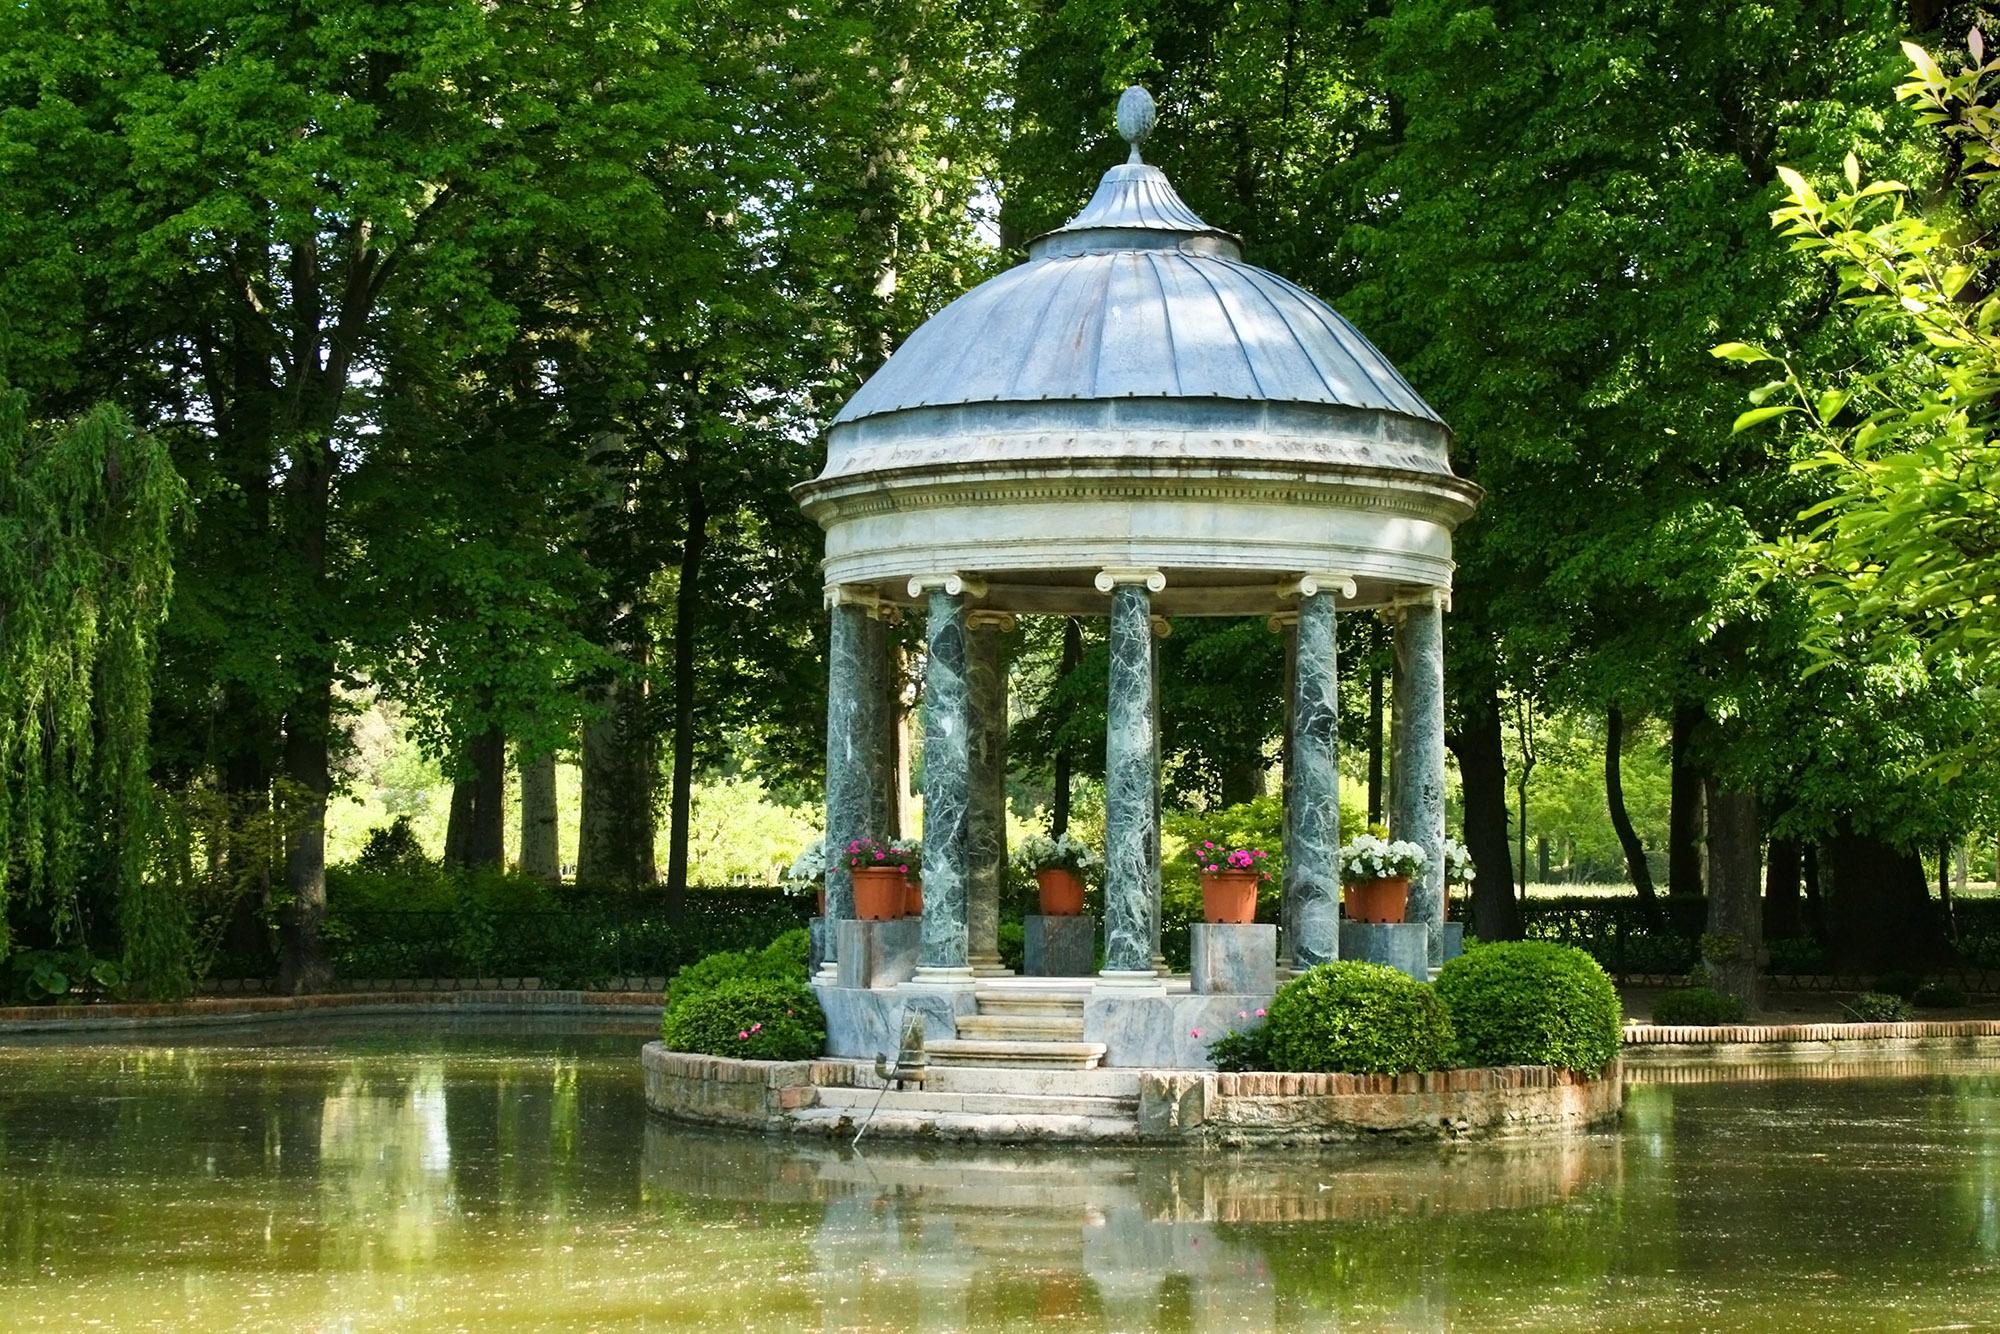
913	896
879	894
1062	892
1229	896
1375	900
822	899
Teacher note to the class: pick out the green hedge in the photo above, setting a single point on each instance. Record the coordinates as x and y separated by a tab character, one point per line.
1528	1002
783	960
752	1018
1364	1018
1697	1005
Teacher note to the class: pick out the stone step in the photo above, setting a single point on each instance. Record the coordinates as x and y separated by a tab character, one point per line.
1025	1001
985	1104
1023	1027
843	1122
1096	1082
1014	1054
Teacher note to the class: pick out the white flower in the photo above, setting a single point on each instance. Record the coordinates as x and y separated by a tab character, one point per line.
1040	853
809	865
1369	857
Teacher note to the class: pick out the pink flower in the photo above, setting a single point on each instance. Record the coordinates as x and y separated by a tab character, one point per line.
756	1028
741	1035
855	846
904	869
1242	1014
1260	1014
1261	854
1194	1032
1206	844
880	855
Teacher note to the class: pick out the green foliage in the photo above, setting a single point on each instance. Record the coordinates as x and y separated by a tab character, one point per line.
751	1018
36	976
1875	1007
1939	996
1361	1017
1531	1003
391	848
1242	1049
1697	1005
1013	946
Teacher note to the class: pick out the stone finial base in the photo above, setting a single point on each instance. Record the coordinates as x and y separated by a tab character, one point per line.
1232	959
1059	946
1403	945
874	955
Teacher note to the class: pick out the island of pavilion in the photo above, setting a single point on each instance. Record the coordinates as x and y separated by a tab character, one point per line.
1133	423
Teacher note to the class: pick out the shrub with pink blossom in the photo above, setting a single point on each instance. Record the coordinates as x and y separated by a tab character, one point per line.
758	1019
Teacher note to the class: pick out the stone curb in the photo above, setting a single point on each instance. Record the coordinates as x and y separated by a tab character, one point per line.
1709	1035
85	1018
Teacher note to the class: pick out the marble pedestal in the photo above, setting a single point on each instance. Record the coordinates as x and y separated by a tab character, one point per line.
1451	941
873	955
1232	959
1059	946
1403	945
816	930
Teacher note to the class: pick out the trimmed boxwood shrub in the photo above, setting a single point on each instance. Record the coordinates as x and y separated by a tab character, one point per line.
1697	1005
1531	1002
1363	1018
757	1019
783	960
1878	1007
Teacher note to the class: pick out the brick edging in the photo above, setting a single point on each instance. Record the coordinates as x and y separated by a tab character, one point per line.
76	1018
1669	1035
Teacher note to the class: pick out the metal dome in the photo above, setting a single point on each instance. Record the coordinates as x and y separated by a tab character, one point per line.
1137	297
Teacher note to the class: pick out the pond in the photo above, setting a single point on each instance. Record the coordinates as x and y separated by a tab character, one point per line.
488	1175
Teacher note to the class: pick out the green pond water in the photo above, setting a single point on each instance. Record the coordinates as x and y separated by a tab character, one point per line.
499	1176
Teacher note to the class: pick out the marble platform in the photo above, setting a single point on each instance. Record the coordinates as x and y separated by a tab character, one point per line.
1059	946
1402	945
875	955
1226	958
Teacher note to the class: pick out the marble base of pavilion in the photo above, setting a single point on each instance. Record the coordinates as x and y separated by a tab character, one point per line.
1059	946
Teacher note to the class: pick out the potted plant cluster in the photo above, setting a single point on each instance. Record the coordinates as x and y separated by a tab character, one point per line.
1458	871
879	872
807	873
1058	865
1375	876
1229	880
911	852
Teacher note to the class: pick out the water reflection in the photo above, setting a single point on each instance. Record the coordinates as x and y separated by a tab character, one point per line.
467	1177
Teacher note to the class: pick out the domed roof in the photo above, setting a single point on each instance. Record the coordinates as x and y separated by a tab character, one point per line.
1137	297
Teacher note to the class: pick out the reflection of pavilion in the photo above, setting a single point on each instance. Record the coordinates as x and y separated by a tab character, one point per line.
932	1237
1134	424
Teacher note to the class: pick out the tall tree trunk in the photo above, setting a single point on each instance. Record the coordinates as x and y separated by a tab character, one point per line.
1782	918
1734	945
1375	746
541	858
1809	881
687	636
1879	910
487	844
458	822
1482	772
1072	654
620	779
1684	810
1636	868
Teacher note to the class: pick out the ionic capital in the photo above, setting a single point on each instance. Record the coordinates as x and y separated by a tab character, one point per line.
951	582
1111	576
1306	585
990	620
1162	627
1403	600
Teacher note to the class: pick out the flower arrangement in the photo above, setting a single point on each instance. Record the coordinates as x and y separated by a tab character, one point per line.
1039	853
1370	857
1457	863
806	875
865	854
911	853
1212	858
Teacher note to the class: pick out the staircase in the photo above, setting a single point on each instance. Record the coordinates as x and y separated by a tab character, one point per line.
1021	1028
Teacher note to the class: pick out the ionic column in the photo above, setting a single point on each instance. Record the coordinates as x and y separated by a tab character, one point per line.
857	740
1131	781
987	657
1416	788
942	955
1287	624
1312	829
1162	627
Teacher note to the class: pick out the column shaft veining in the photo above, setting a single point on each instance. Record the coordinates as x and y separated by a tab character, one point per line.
947	783
1131	782
1312	855
1416	792
988	651
856	746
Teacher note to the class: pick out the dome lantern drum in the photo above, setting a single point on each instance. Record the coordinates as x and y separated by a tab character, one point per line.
1137	423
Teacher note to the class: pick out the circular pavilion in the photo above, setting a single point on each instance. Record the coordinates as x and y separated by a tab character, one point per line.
1134	423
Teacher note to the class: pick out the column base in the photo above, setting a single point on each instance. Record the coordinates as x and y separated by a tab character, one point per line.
1161	967
1128	982
989	965
943	977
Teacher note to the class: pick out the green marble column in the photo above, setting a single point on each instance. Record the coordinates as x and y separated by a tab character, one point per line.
947	785
1131	784
1416	789
990	647
1288	895
857	747
1312	826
